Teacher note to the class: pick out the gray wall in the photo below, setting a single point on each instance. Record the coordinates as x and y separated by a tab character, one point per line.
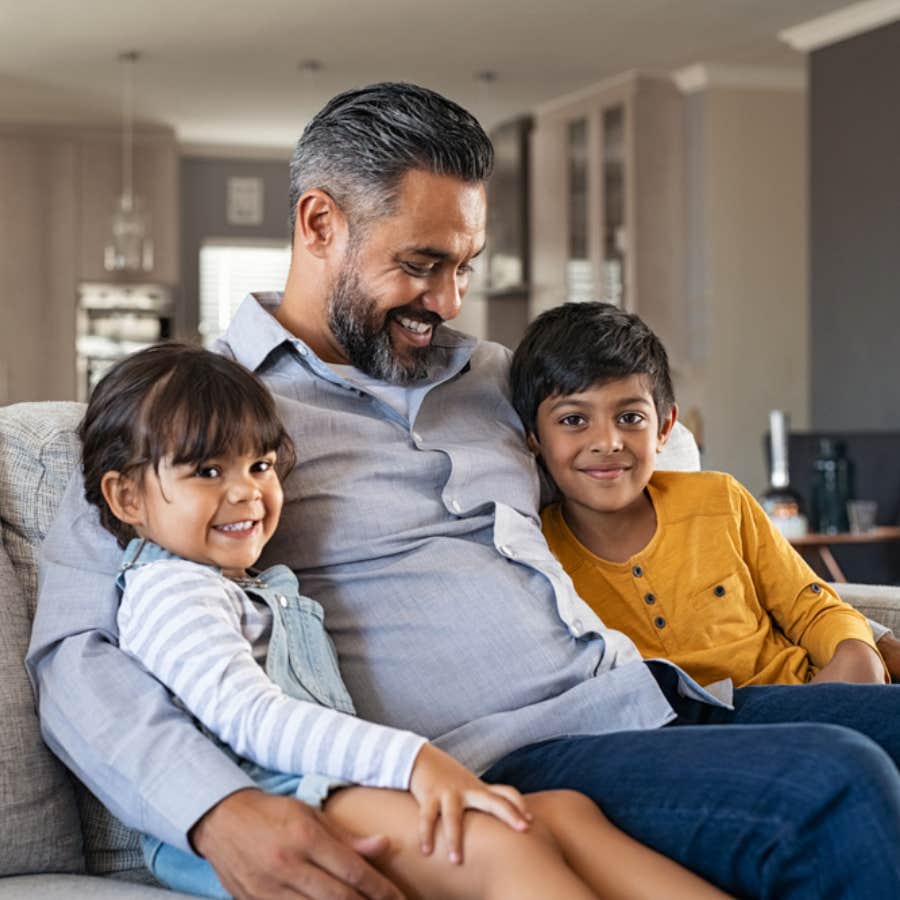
203	198
855	232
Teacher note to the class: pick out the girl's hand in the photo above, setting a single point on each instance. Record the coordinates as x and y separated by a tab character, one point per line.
443	787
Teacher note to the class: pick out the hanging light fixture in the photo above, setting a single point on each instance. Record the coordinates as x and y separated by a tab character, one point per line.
130	249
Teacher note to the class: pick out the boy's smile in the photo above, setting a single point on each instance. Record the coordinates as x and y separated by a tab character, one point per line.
600	446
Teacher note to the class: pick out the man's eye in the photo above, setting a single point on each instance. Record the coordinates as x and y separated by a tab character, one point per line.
208	472
416	270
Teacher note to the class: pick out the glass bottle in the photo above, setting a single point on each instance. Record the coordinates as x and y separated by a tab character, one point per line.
781	502
831	488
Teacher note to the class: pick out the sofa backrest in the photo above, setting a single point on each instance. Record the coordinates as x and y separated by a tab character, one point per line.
43	811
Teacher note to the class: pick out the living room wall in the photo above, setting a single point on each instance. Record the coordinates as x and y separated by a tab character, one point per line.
855	232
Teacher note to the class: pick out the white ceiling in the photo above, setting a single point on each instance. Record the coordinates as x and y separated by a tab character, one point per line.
225	72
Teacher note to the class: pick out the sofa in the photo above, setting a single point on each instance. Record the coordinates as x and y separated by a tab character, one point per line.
56	840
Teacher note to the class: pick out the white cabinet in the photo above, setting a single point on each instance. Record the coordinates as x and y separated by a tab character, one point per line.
607	211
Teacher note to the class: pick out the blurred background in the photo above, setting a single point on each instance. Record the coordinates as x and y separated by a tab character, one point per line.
726	168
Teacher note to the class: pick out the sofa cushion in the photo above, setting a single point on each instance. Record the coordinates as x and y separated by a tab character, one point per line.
38	453
39	825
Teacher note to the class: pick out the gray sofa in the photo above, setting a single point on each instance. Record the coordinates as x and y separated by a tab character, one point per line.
56	841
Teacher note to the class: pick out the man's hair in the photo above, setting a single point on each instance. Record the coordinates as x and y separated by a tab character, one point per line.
174	400
575	346
361	144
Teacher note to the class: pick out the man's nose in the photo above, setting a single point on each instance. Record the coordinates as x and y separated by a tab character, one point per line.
444	296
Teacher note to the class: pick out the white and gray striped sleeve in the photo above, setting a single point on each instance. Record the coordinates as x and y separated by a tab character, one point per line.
182	622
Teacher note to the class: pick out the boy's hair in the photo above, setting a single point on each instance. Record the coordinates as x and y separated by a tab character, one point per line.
174	400
572	347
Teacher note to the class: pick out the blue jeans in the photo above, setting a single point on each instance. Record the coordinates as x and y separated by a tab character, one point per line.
775	808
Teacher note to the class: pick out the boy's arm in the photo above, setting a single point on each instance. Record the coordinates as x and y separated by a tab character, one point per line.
804	607
853	661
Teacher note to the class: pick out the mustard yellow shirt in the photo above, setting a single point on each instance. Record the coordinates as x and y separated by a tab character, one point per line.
718	590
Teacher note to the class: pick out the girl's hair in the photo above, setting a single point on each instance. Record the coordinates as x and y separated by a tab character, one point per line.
178	402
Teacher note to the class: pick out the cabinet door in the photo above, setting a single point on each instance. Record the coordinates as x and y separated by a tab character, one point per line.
155	183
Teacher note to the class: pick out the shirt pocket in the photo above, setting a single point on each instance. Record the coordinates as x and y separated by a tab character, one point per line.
723	610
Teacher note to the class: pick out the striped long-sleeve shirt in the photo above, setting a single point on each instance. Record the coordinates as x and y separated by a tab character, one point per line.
204	638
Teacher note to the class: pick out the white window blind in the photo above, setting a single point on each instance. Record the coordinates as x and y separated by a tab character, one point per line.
231	270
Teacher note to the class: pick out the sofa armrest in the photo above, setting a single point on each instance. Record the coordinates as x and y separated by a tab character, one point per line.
875	601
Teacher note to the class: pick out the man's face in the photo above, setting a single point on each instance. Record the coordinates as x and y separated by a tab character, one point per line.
407	273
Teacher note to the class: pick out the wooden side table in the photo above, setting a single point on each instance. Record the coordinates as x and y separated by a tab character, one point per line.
817	547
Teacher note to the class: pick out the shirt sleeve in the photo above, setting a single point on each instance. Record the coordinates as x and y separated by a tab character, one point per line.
183	623
112	724
804	607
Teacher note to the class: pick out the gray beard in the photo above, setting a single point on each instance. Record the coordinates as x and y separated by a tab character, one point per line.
353	320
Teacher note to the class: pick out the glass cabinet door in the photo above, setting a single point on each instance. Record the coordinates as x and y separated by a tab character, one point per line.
614	234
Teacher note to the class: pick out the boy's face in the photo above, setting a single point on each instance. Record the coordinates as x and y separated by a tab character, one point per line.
221	512
600	445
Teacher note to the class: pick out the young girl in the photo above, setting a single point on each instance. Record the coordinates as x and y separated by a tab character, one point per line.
181	453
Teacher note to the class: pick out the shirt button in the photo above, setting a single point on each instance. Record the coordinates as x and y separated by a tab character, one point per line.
302	350
649	599
282	600
816	588
454	505
659	622
577	627
637	571
719	591
417	437
506	551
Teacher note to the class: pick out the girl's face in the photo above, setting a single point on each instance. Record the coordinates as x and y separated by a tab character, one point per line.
221	512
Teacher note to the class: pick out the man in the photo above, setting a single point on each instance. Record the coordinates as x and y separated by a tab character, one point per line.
413	519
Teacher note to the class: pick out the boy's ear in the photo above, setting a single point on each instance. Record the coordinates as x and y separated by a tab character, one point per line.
123	498
666	426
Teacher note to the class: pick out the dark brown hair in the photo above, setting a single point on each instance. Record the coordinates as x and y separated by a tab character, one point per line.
175	401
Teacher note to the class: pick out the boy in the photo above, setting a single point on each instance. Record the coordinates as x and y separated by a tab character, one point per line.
686	563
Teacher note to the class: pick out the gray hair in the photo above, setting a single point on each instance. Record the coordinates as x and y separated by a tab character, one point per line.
359	146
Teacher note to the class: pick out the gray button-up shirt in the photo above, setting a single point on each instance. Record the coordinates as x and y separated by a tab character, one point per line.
421	539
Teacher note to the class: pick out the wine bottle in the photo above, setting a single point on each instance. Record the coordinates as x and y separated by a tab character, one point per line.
781	502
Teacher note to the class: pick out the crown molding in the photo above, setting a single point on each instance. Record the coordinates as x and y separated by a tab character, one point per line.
840	25
703	76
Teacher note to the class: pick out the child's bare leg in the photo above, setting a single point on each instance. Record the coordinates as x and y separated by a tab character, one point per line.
498	862
615	865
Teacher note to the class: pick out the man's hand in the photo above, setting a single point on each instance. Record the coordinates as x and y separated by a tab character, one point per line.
855	662
443	787
264	846
889	648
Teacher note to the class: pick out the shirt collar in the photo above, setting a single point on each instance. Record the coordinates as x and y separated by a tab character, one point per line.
254	334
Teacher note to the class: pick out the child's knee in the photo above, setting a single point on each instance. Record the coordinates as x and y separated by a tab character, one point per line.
562	805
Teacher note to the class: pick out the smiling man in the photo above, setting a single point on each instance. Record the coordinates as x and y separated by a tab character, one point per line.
413	518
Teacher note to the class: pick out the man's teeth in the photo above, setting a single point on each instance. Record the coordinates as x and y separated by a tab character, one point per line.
237	526
413	325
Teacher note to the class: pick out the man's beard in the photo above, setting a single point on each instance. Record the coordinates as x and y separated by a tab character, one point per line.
354	319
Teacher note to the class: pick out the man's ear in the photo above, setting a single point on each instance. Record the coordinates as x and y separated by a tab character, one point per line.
666	426
320	224
123	498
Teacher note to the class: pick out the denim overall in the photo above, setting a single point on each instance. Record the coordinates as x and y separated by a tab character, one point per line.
302	661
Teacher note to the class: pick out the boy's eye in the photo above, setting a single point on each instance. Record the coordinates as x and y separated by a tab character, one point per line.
631	418
573	420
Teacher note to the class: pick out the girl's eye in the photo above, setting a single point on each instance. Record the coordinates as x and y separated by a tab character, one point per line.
208	472
263	465
573	420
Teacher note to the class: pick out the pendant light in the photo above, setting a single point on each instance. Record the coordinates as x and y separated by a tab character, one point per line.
130	248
